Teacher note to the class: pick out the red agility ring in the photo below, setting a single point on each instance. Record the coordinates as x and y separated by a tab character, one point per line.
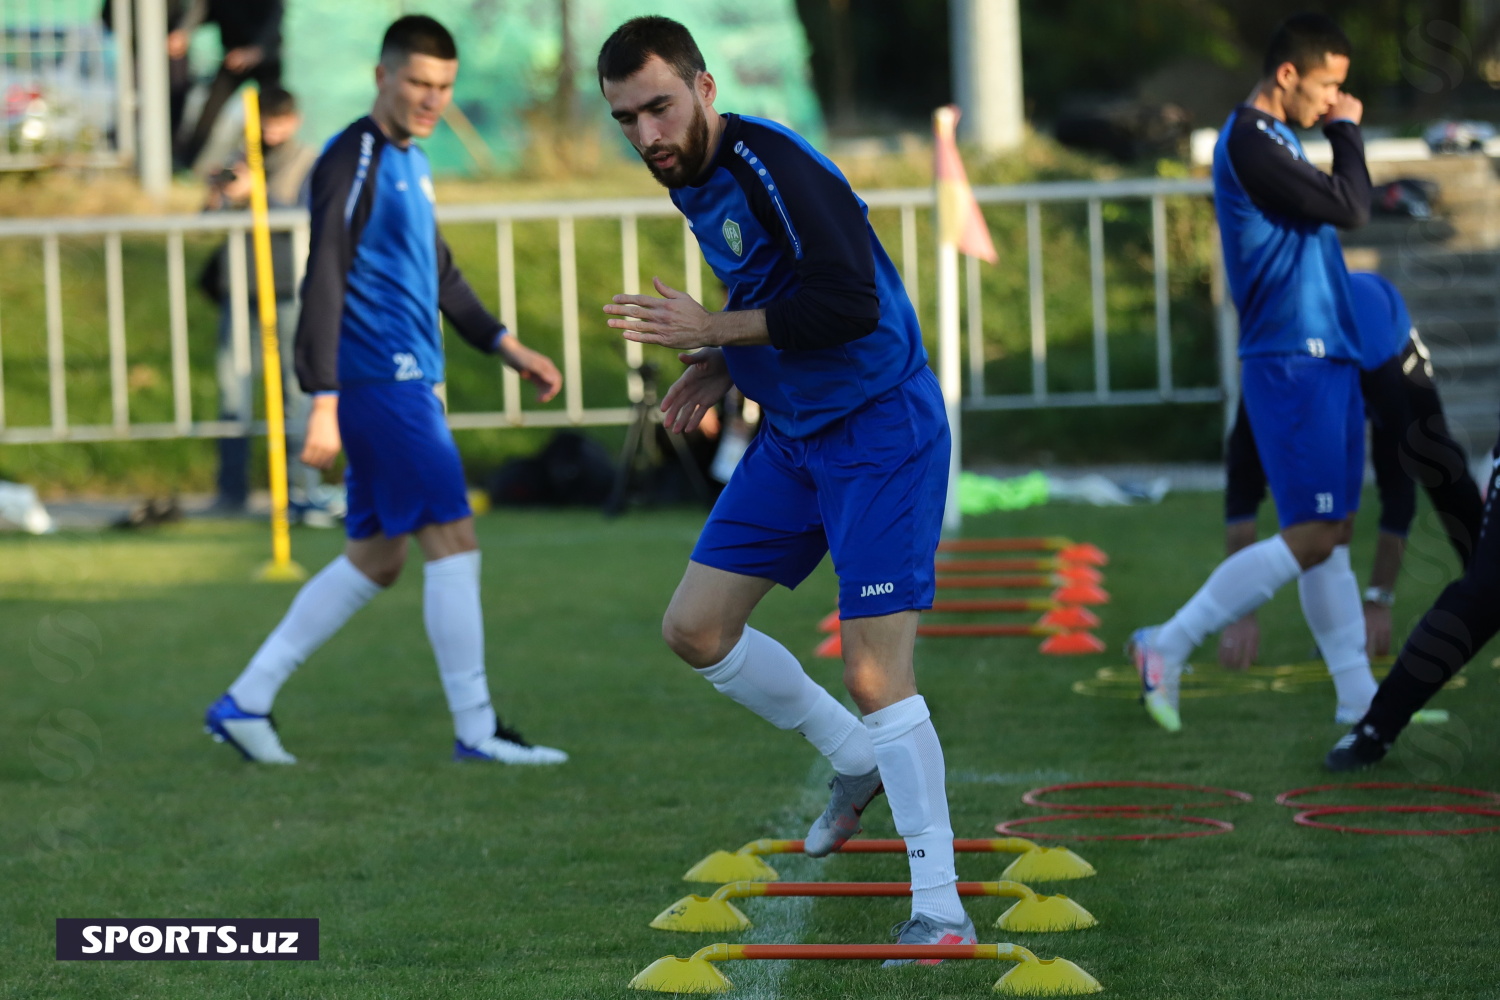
1230	797
1306	818
1287	798
1217	826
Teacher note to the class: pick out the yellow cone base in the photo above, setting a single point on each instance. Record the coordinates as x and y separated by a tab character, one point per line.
1038	977
723	866
701	913
683	975
1048	864
275	572
1045	914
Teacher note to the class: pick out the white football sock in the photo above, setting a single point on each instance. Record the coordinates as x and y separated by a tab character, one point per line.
1239	585
455	627
319	610
1334	611
762	675
911	767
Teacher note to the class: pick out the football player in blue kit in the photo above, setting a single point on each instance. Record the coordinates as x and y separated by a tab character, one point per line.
1299	353
1408	438
852	458
369	346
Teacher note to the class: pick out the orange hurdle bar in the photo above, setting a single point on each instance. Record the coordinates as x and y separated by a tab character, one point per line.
998	565
860	888
1067	616
1054	543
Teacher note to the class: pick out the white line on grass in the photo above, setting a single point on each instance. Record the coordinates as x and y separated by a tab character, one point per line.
782	919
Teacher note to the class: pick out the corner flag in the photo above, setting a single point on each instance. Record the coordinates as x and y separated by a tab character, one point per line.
960	223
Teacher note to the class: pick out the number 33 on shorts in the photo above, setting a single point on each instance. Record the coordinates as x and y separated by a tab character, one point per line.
1323	503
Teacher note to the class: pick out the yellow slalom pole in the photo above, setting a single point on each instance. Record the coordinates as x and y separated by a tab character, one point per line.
280	568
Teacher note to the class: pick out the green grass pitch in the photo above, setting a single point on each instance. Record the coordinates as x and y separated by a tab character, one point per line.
434	879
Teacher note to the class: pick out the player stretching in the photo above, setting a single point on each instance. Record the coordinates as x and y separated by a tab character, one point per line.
1408	435
1299	353
369	344
853	457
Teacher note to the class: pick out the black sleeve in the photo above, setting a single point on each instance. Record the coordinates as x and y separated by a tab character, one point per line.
1280	181
822	228
457	300
342	192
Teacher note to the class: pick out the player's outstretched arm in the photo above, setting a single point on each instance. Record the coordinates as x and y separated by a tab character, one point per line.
533	366
698	390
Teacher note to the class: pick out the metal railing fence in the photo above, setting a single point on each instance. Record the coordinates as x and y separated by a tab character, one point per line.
903	213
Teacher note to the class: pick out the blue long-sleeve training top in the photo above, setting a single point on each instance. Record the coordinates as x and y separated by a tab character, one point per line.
1277	217
378	270
781	227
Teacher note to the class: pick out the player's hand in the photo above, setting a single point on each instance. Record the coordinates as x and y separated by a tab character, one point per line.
244	58
698	390
323	443
1345	106
674	320
1377	629
178	43
533	366
1239	644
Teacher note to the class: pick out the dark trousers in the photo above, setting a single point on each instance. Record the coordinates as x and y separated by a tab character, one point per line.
223	87
1465	616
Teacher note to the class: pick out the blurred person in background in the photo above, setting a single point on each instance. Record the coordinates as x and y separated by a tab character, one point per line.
179	73
288	164
250	33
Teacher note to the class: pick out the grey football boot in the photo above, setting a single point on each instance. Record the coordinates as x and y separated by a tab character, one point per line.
923	929
848	796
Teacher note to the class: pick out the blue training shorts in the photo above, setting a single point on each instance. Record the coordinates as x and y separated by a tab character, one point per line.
1309	422
404	472
869	488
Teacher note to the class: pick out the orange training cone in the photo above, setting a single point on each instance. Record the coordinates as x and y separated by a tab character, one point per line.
831	647
1084	553
1070	617
1081	574
1080	593
1073	644
830	622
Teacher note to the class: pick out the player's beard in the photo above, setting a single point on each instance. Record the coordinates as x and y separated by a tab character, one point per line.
690	155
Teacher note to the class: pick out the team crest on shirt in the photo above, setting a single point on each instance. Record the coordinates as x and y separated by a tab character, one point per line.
426	184
733	238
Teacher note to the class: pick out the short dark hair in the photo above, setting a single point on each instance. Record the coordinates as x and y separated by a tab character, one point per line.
416	35
638	39
276	102
1305	41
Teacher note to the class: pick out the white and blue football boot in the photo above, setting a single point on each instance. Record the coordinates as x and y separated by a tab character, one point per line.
1161	681
507	747
250	734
